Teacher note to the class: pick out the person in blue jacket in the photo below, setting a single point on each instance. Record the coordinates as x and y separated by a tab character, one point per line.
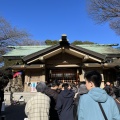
88	108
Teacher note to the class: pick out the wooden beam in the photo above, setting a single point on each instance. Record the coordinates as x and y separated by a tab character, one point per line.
110	64
69	65
28	66
41	58
107	65
85	55
91	65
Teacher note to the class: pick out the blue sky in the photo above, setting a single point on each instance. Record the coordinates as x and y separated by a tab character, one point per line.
49	19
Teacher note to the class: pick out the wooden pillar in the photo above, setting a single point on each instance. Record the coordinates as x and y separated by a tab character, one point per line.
50	76
25	83
42	78
81	76
102	83
77	77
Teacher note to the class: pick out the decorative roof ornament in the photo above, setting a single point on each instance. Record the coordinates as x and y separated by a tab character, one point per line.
64	41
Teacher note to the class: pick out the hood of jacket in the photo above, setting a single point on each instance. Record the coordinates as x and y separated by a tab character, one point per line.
98	94
67	93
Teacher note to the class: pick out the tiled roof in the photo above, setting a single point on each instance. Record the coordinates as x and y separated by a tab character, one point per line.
103	49
27	50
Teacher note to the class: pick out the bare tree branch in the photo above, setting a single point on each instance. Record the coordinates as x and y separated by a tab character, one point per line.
9	34
102	11
29	42
12	36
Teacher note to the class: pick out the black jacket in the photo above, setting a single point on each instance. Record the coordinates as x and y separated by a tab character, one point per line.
64	105
1	98
53	97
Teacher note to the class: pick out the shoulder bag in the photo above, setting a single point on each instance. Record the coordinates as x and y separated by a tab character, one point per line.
102	111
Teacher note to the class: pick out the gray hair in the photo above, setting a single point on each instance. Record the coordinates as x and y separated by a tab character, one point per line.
41	86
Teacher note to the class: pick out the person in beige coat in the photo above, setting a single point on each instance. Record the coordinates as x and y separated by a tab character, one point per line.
37	108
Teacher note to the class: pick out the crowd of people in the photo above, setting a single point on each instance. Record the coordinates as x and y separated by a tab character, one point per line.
84	101
74	101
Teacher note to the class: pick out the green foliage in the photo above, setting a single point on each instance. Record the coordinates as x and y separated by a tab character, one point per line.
88	42
8	62
51	42
78	42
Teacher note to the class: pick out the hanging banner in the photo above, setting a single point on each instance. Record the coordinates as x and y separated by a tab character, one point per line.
16	74
33	86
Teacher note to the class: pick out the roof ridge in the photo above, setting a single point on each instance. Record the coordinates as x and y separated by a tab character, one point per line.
98	45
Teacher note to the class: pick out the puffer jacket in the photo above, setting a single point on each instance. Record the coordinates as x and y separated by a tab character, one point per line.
88	108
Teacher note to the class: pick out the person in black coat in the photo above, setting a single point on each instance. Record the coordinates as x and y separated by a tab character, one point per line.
114	92
1	98
65	102
81	90
51	91
3	84
117	93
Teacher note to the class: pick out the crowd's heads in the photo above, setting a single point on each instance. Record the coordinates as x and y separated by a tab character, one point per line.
93	76
65	86
82	83
55	83
108	89
108	83
41	86
82	88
